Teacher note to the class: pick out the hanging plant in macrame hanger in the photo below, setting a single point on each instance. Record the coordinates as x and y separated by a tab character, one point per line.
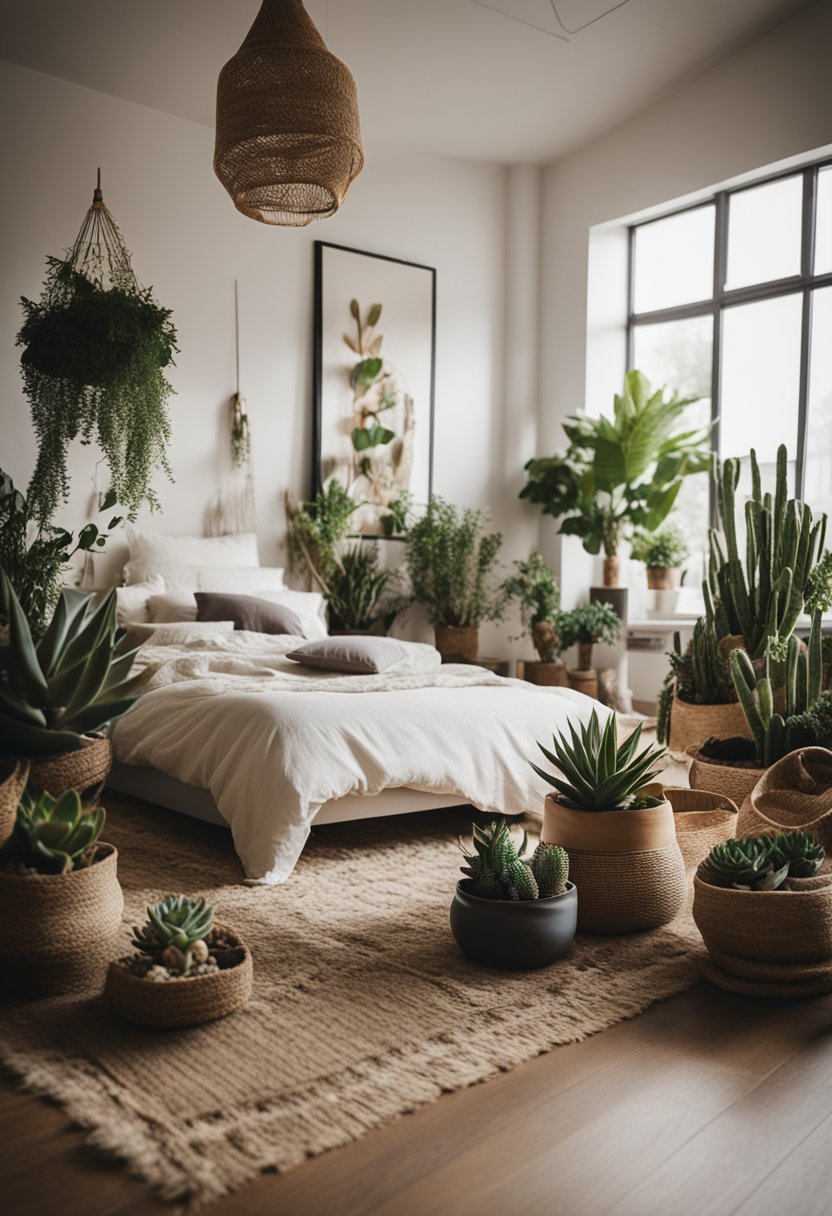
95	348
232	509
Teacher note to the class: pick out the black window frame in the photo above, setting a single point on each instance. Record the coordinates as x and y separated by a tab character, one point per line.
806	283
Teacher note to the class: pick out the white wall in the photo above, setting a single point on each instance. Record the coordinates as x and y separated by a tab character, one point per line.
190	244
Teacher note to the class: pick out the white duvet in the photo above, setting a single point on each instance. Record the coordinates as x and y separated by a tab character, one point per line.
273	741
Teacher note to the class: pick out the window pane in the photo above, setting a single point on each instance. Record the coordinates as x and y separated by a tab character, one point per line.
764	232
818	491
679	354
823	229
761	378
673	260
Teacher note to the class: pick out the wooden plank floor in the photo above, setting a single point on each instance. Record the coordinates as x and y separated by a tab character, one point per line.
705	1105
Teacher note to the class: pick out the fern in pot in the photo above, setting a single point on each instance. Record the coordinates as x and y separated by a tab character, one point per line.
616	825
534	588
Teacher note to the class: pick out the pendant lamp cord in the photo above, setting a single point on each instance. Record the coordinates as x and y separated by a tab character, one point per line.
586	24
566	35
237	335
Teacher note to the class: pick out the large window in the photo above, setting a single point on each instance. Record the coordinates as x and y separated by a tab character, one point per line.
731	301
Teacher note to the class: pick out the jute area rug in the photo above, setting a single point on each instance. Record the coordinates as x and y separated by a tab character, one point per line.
363	1007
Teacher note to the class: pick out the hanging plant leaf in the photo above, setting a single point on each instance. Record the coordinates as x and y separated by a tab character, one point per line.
354	311
364	373
373	314
375	345
364	437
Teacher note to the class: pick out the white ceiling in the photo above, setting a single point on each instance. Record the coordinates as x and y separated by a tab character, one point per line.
446	76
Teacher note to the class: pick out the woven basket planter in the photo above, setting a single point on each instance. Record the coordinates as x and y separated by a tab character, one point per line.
552	675
457	643
691	725
58	931
79	770
627	865
734	781
13	777
767	943
583	680
794	793
702	820
170	1004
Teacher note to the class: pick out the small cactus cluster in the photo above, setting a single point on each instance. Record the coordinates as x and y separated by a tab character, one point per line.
58	835
763	863
499	870
174	934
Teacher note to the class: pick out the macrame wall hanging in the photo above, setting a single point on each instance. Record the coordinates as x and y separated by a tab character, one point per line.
233	508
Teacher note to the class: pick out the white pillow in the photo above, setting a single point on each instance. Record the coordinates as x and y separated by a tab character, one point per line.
310	607
132	603
171	607
151	551
247	580
179	633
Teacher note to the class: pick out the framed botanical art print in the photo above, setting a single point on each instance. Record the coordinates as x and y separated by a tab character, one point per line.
373	379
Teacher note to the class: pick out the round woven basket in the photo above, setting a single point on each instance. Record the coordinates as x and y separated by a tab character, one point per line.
457	643
13	777
549	674
79	770
734	781
583	680
794	793
58	931
799	983
691	725
172	1003
788	928
702	820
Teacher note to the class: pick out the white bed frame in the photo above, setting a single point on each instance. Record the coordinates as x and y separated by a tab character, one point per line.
157	787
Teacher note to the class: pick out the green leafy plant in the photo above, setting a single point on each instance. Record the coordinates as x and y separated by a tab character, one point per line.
763	863
666	547
586	626
359	590
535	589
699	675
621	472
500	870
69	684
172	929
37	559
373	392
451	559
799	851
598	774
57	835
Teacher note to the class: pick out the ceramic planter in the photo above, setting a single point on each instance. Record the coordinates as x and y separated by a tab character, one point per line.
457	643
627	865
81	770
13	777
701	820
663	578
58	931
514	934
691	725
795	793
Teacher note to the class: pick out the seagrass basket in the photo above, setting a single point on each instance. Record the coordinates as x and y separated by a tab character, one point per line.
80	770
189	1002
691	725
734	781
13	777
796	792
702	819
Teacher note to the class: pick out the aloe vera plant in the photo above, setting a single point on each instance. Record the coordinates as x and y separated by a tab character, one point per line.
70	683
500	870
172	928
58	834
598	774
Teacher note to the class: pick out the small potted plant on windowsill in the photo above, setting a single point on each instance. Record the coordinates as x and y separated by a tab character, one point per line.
663	552
535	589
616	826
584	627
512	911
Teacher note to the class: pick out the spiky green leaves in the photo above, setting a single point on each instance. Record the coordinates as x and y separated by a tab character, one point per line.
598	775
58	834
763	863
175	921
499	869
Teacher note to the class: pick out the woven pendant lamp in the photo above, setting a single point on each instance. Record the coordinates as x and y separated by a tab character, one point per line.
288	140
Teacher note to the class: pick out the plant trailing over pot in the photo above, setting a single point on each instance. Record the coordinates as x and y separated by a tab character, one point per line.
619	473
617	828
36	558
186	969
534	588
663	552
587	626
95	349
451	560
512	910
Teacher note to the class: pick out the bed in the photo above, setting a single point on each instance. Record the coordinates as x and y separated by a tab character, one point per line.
233	731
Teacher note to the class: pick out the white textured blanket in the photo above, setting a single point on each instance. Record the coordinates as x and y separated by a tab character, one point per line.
274	741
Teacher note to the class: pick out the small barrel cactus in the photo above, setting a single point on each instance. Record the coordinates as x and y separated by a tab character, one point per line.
175	931
500	870
58	834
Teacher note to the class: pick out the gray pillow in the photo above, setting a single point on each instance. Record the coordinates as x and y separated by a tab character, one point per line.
354	655
248	612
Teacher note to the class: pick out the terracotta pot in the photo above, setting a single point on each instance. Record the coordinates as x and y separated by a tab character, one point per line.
457	643
795	793
701	820
691	725
81	770
520	935
58	931
627	865
13	777
663	578
734	780
550	674
610	576
583	681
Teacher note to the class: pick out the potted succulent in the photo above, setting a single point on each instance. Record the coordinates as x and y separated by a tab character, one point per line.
765	915
450	560
186	969
513	911
616	826
663	552
60	899
535	589
584	627
56	694
698	698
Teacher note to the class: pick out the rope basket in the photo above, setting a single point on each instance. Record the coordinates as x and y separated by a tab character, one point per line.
798	982
734	781
79	770
702	820
173	1003
796	792
58	931
457	643
691	725
550	674
787	927
627	892
583	680
13	777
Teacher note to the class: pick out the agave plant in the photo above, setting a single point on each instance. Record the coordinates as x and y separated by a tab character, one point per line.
749	865
68	684
172	928
600	775
58	834
500	870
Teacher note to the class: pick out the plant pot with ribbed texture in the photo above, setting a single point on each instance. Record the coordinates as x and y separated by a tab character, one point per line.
548	674
583	680
58	931
691	725
626	864
83	769
663	578
185	1001
514	934
702	819
732	779
13	777
795	793
457	643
